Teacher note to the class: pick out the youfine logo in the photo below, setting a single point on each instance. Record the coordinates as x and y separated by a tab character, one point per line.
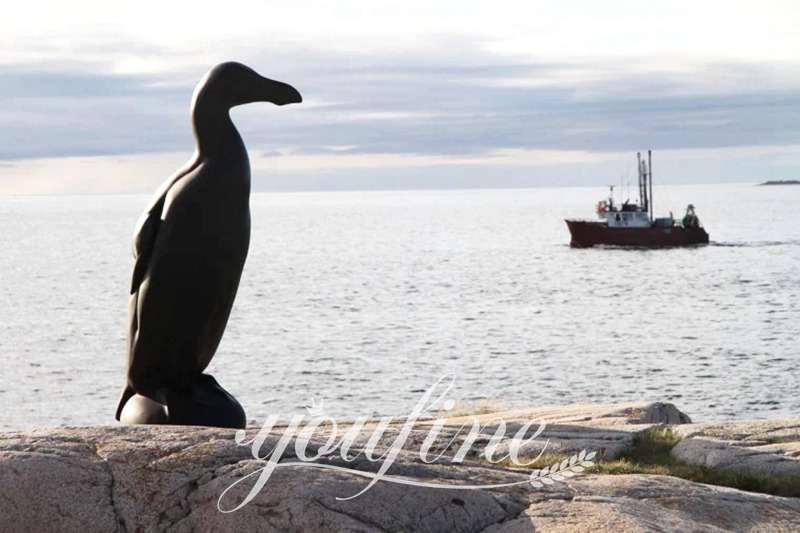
324	428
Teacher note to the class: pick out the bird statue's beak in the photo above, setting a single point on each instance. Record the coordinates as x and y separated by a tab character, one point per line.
278	93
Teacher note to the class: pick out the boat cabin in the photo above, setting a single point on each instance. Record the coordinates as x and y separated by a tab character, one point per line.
627	215
628	219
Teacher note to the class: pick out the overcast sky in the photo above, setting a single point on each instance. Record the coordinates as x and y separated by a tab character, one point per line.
94	96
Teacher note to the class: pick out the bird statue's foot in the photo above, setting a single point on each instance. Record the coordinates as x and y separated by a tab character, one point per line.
202	403
142	410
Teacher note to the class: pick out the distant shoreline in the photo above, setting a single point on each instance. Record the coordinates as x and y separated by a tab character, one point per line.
780	182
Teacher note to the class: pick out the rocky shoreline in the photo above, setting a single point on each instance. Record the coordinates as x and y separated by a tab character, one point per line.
172	478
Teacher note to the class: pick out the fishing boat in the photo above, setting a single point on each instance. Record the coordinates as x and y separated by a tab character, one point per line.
633	224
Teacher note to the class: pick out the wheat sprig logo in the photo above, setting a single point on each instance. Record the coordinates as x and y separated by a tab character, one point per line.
560	471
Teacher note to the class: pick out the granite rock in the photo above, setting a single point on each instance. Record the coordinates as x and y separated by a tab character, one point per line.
174	478
770	447
609	429
641	503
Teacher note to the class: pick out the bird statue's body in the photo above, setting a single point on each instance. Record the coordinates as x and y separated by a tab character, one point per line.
190	246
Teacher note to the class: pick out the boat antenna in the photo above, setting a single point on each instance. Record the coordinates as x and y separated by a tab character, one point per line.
650	175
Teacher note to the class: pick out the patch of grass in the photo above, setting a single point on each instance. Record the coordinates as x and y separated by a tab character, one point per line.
651	455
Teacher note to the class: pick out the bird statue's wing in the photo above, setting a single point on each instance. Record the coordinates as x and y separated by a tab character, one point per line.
143	240
144	237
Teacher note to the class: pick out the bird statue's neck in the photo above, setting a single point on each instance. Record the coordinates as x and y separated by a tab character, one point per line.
215	133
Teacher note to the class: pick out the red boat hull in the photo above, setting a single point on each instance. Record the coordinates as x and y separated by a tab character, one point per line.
586	234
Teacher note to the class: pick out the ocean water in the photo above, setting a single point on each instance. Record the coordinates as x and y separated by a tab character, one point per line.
364	299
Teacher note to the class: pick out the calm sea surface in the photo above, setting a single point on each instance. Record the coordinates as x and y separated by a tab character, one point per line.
364	299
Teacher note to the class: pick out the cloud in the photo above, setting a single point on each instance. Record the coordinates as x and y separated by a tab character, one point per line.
446	101
452	104
49	113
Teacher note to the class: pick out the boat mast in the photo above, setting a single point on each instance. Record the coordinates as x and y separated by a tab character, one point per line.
642	168
650	174
642	192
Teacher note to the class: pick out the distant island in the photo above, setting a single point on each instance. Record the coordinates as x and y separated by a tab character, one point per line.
781	182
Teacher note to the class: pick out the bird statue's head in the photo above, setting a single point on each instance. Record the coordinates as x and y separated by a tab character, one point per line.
230	84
